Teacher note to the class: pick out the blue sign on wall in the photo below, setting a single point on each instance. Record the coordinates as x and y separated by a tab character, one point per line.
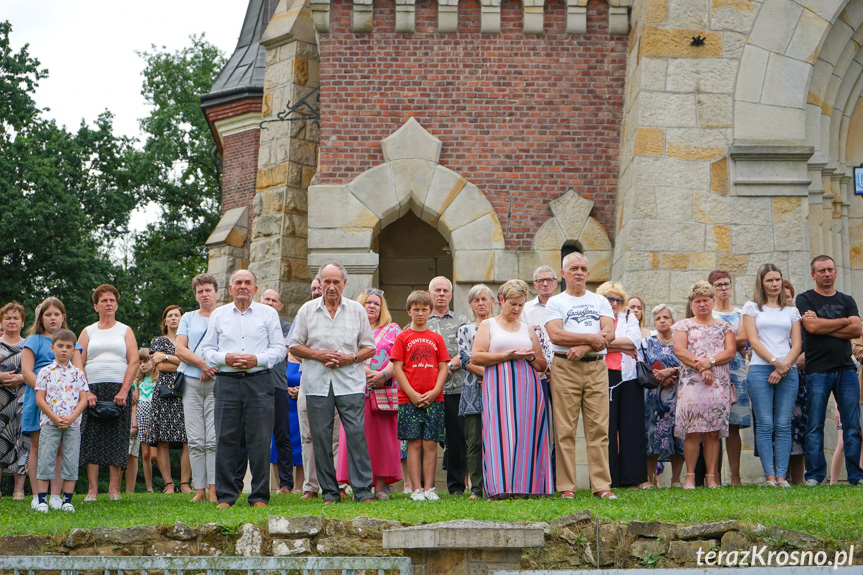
858	180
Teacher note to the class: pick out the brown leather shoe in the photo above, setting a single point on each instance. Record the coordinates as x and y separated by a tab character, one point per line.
329	501
223	505
259	504
284	490
308	495
343	494
367	500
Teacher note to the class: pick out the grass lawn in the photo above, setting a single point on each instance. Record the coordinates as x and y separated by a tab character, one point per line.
833	513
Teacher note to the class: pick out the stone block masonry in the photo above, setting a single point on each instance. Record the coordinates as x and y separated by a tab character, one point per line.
523	117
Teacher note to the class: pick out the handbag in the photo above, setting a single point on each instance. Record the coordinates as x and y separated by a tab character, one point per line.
178	387
106	410
385	400
644	374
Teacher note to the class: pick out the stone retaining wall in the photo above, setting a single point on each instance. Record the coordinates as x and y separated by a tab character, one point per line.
573	541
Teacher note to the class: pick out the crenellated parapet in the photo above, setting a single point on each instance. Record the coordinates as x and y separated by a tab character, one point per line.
490	10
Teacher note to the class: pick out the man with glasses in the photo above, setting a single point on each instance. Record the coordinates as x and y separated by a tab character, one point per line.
830	321
545	282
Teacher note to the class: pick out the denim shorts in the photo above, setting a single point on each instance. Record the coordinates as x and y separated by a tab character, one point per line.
422	423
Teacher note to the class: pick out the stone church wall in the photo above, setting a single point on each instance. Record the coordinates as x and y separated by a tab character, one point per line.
524	117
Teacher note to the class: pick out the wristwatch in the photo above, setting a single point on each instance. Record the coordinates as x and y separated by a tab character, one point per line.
355	358
772	360
712	361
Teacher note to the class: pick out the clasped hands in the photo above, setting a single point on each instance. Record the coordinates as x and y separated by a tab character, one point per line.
666	377
704	367
333	359
241	360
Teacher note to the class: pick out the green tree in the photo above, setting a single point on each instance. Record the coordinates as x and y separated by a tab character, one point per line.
64	195
179	172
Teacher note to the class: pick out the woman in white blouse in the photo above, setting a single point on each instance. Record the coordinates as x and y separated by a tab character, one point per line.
773	329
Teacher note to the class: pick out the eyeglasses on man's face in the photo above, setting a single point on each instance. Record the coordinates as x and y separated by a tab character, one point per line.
545	281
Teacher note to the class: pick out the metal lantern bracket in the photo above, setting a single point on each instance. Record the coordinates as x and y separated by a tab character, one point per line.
308	107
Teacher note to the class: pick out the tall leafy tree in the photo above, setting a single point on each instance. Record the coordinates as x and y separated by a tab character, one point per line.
180	173
64	195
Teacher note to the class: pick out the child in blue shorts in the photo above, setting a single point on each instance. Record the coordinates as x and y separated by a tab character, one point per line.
420	360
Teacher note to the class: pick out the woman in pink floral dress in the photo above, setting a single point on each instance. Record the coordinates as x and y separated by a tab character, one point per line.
704	346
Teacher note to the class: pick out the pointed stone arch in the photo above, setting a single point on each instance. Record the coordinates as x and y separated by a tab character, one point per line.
344	220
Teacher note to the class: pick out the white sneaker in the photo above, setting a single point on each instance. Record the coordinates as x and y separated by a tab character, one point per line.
34	502
42	507
812	483
418	495
56	502
68	507
431	495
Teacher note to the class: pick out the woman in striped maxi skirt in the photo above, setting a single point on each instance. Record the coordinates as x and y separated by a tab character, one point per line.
515	431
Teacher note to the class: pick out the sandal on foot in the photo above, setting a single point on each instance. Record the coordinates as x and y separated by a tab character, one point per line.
686	485
605	494
717	486
171	487
189	487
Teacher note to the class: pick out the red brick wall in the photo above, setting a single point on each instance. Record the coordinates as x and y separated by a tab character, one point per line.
240	169
525	118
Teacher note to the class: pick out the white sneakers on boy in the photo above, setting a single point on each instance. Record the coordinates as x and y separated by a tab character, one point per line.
418	495
431	495
42	507
34	502
67	507
56	502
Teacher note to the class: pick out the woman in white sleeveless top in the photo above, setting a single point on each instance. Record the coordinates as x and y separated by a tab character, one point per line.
110	362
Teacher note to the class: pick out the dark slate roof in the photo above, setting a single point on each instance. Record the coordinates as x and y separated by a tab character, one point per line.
243	75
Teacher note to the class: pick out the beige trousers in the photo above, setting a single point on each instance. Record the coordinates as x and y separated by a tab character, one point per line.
310	470
581	386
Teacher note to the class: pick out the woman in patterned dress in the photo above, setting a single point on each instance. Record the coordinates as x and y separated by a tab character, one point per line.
381	428
660	403
481	301
167	424
515	433
740	413
13	451
705	346
110	355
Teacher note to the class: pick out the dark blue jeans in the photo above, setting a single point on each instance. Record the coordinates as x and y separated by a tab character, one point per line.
846	390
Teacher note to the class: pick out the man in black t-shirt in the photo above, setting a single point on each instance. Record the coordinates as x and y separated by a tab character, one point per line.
830	322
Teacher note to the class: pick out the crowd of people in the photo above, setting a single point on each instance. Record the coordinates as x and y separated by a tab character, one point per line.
343	397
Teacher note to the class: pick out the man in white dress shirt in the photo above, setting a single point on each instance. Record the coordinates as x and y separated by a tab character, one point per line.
545	281
333	337
243	342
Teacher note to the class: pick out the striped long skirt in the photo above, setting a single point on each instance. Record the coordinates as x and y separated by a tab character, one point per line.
515	432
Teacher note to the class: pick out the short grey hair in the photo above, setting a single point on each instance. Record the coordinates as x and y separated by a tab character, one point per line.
434	279
542	269
659	308
254	277
334	264
576	255
476	290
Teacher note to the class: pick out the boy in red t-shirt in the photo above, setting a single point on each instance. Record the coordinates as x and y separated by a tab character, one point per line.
420	360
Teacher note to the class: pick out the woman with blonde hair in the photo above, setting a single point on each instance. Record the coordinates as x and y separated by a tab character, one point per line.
515	431
36	354
705	346
627	459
